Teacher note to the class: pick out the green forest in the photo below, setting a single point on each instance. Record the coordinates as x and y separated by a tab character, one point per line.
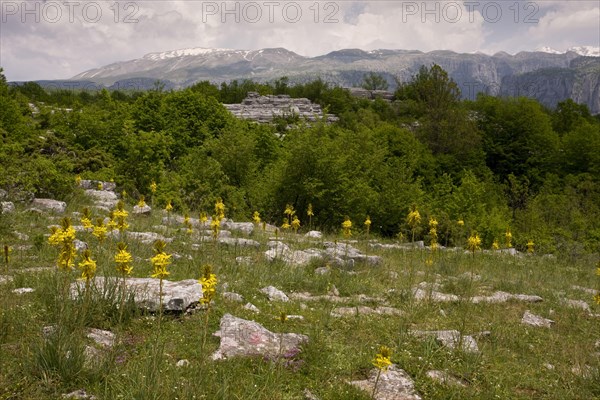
494	164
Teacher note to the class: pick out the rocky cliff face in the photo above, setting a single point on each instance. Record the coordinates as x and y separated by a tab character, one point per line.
546	76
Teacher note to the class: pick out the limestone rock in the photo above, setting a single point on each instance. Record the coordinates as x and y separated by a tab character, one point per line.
177	296
451	339
240	337
23	290
345	251
80	394
101	337
577	304
50	204
244	260
5	279
445	378
274	294
503	297
144	237
433	295
145	210
363	310
182	363
314	234
231	296
393	384
245	227
536	320
93	184
592	292
7	207
251	307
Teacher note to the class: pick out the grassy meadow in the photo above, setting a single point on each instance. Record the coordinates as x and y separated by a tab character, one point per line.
515	361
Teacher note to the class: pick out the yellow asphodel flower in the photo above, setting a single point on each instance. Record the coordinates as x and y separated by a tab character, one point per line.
215	226
289	210
123	259
160	261
99	230
256	218
382	360
295	224
460	222
169	206
474	243
433	222
220	209
597	299
309	211
142	202
495	245
87	266
7	251
153	187
413	218
99	186
347	227
508	238
530	246
368	224
285	224
203	218
209	285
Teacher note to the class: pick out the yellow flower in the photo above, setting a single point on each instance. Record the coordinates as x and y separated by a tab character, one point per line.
433	222
203	217
368	224
530	246
112	224
209	285
169	206
142	202
283	317
598	271
413	218
295	223
153	187
78	180
289	210
220	209
159	264
123	259
597	298
347	227
120	211
285	224
460	222
382	360
215	225
7	251
124	194
508	238
87	266
495	245
99	230
474	243
309	211
99	186
429	261
256	218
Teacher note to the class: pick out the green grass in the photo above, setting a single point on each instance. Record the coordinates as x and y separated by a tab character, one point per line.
510	365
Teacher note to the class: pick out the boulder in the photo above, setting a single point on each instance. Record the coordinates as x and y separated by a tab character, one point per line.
177	295
50	204
393	384
243	338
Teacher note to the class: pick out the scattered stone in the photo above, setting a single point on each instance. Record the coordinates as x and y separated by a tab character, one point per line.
536	320
182	363
593	292
577	304
451	339
80	245
308	395
305	296
21	236
393	384
511	251
245	227
470	276
445	378
233	296
549	366
145	210
79	394
3	194
363	310
177	296
322	271
314	234
241	242
51	205
274	294
333	291
93	184
343	251
432	295
144	237
103	338
251	307
503	297
23	290
294	316
244	260
7	207
240	337
5	279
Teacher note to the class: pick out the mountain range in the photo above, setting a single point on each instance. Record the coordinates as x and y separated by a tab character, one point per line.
547	75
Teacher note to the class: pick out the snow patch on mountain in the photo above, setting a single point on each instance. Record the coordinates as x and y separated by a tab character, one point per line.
195	51
588	51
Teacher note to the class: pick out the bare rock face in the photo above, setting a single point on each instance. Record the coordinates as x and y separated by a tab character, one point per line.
265	108
50	205
536	320
240	337
393	384
176	296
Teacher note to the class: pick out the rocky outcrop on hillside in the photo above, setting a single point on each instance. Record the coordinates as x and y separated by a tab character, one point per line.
266	108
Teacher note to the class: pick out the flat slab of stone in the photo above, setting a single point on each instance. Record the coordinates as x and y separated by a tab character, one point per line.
363	310
245	227
445	378
23	290
503	297
144	237
177	295
451	339
243	338
293	257
577	304
50	205
345	251
393	384
432	295
145	210
536	320
314	234
274	294
593	292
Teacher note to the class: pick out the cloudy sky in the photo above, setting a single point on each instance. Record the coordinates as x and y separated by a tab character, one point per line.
59	39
